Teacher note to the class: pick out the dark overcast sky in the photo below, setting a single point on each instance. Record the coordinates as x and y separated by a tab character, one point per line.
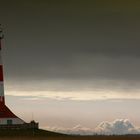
71	40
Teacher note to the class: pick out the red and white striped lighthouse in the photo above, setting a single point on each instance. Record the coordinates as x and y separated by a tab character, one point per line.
6	115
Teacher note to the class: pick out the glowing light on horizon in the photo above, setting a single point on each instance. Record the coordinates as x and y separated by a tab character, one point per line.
74	95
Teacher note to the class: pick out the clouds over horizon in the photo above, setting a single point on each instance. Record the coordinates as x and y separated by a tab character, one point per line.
117	127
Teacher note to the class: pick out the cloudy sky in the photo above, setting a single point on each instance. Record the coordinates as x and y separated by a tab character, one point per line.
75	62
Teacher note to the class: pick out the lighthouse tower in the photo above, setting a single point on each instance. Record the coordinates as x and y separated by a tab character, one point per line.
6	115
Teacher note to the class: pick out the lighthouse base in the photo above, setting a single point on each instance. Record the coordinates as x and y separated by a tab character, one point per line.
8	120
7	117
31	125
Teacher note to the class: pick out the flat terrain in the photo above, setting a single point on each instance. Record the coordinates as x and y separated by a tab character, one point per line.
76	138
39	134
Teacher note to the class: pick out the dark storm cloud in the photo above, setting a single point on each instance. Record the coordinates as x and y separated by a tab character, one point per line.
71	40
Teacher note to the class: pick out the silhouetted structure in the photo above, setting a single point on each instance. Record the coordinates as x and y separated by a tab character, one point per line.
7	118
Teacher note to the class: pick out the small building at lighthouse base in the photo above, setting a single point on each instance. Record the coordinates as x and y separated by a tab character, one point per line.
8	120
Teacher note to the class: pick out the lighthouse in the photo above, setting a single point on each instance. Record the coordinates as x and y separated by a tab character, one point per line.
7	117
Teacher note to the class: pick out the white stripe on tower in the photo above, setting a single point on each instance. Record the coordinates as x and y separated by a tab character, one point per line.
1	73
